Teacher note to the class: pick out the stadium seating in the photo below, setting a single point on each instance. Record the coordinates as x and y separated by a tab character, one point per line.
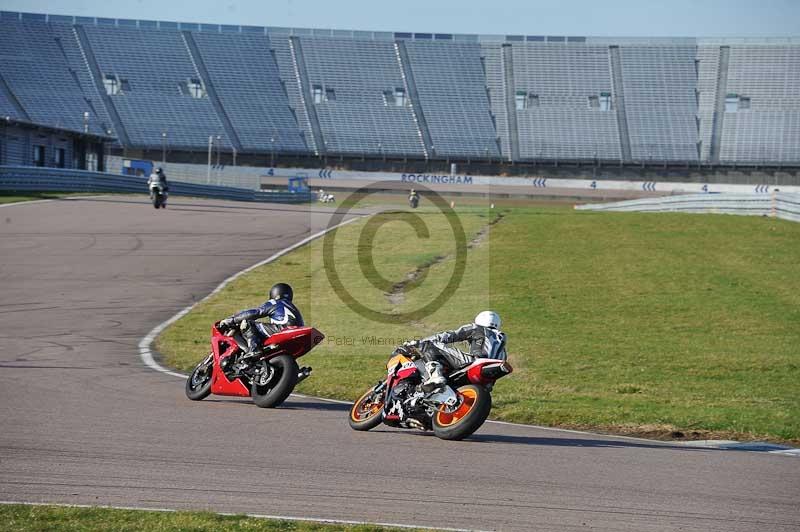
355	117
495	88
154	63
7	107
554	83
286	68
708	61
380	94
33	67
78	66
452	93
246	78
767	126
659	85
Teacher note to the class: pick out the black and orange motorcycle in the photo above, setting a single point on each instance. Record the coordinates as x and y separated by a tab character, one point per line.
453	411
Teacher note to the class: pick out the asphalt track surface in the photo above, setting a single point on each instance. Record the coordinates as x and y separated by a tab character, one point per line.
83	421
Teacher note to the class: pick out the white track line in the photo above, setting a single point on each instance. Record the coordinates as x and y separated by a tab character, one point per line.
147	357
24	202
63	198
256	516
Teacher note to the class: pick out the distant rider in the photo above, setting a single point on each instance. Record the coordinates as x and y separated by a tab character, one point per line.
485	341
157	180
279	309
413	199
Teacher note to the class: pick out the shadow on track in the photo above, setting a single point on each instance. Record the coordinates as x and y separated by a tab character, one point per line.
310	405
571	442
288	405
540	441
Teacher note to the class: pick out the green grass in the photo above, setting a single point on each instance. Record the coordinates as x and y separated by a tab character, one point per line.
648	324
20	517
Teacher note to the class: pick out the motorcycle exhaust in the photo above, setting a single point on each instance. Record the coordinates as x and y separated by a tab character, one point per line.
305	372
494	372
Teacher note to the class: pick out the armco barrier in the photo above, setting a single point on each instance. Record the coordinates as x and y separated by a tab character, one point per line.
32	179
777	204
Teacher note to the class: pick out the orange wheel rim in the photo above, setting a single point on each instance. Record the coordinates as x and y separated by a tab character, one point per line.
364	408
468	399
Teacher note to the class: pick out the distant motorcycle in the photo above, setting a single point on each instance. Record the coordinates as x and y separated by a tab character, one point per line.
325	197
268	377
158	195
453	412
413	201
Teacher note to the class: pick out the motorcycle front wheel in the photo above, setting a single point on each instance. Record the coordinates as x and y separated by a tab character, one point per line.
367	412
475	403
198	385
279	384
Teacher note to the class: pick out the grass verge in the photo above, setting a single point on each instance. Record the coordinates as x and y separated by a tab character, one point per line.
663	325
22	517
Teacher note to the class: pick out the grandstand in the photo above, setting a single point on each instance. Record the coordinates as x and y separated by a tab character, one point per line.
507	99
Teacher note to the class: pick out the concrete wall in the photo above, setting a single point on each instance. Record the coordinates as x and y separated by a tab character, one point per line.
574	185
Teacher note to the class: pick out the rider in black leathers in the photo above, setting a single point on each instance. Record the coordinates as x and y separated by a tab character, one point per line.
485	341
279	309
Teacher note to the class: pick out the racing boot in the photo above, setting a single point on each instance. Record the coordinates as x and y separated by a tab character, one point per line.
436	377
253	347
253	339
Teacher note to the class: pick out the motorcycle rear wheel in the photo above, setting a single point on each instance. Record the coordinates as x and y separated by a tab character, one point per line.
198	385
476	403
280	386
366	414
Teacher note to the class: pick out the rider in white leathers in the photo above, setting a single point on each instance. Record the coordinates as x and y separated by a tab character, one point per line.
485	341
157	181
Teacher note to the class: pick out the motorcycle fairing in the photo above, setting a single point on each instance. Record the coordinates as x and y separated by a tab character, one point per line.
225	346
295	341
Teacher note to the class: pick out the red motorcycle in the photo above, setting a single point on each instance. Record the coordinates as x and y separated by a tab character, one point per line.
453	412
268	376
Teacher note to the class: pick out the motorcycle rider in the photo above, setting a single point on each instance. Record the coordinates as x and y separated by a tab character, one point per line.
279	309
485	341
413	198
157	179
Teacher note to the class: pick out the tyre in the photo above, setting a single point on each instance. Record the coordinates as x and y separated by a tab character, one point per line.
476	403
198	385
367	412
279	384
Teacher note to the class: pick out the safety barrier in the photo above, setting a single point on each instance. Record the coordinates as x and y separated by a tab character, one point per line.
776	204
32	179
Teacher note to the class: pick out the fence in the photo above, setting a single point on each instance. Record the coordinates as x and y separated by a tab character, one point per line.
776	204
32	179
225	175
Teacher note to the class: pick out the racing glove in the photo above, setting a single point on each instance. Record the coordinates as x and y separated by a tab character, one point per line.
227	323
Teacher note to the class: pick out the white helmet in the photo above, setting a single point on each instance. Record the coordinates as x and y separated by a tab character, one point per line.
487	318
